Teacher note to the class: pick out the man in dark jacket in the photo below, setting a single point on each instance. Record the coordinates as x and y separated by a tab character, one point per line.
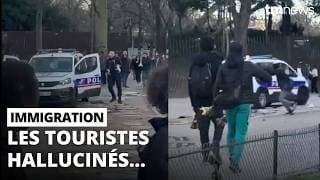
103	59
233	73
155	154
137	66
286	97
209	62
125	69
113	69
18	90
147	65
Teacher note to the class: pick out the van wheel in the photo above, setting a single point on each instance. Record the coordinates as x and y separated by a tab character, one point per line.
85	99
303	95
73	101
262	100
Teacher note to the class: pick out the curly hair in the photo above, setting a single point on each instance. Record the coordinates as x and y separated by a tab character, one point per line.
19	86
157	90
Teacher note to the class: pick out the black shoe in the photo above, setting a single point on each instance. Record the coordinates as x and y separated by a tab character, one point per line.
205	153
126	86
216	155
119	101
234	167
112	100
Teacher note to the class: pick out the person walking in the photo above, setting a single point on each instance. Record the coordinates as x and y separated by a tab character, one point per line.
125	69
286	97
102	57
235	96
155	154
157	60
138	66
113	69
202	75
146	64
314	80
18	90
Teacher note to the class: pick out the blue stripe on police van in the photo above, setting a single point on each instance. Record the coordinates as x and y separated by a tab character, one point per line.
90	81
274	84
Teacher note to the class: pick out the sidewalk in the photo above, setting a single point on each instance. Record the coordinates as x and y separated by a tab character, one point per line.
133	114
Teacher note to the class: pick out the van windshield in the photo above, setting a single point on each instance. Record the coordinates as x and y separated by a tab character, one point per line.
52	64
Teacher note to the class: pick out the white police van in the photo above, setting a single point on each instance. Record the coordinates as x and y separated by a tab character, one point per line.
267	93
64	75
9	58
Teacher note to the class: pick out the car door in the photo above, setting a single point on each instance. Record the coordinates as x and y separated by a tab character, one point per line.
296	80
88	76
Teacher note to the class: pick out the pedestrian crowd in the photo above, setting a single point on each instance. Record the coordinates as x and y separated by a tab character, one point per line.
116	68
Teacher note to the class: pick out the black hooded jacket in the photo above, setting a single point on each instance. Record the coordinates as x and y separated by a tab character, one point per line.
234	71
201	59
155	153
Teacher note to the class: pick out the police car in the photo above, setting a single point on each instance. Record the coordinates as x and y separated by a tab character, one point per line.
268	93
9	58
64	75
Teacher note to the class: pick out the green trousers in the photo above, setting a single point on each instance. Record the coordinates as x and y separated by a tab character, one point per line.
237	129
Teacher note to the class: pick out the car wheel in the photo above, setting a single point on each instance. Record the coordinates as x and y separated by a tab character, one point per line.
85	99
303	95
73	101
262	99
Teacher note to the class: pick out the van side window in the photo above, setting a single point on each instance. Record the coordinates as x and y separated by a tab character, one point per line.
87	65
291	72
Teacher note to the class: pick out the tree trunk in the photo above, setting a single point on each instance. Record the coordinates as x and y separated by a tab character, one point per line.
140	38
180	24
39	17
241	25
101	25
158	26
92	28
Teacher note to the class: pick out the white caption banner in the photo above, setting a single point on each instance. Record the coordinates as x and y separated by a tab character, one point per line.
57	117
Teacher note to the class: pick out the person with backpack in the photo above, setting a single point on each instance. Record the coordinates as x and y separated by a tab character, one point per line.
202	75
286	97
235	94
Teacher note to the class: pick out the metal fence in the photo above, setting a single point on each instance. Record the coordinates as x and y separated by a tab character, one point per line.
23	43
267	156
182	50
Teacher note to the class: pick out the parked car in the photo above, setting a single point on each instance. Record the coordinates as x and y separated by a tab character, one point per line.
9	57
65	75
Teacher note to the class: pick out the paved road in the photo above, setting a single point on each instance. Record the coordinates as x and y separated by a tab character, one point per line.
133	114
295	152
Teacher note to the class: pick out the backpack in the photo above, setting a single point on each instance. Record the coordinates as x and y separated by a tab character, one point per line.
201	81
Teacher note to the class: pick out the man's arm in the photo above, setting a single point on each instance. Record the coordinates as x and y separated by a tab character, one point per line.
260	73
191	95
217	83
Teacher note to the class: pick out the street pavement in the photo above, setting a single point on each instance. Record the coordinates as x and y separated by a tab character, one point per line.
261	120
295	153
133	114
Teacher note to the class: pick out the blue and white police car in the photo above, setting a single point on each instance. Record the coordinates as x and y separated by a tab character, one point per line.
268	93
64	75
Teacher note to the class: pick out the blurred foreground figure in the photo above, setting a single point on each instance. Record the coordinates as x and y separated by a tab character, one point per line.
155	154
19	88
